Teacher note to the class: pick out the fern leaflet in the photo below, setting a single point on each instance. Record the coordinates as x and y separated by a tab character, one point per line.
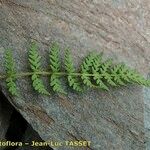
11	72
97	76
35	64
105	71
86	70
55	67
69	67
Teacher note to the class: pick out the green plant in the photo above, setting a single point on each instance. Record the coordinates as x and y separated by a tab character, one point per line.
94	72
70	70
55	66
35	64
11	72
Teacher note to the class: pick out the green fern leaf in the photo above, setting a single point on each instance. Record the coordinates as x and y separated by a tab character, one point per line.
55	66
97	75
121	74
35	64
117	77
69	67
94	72
86	69
105	72
56	84
135	77
11	73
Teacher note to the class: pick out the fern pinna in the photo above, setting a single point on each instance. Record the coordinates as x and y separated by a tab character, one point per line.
11	72
35	64
94	72
70	70
55	66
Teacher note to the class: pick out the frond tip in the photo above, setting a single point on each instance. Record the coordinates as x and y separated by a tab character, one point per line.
122	75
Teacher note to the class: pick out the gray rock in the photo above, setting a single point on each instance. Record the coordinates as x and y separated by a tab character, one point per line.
147	117
110	120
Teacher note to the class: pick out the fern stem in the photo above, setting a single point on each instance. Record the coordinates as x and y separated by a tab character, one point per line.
45	73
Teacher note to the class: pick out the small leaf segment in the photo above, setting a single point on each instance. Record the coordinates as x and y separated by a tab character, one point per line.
55	66
94	72
11	73
35	64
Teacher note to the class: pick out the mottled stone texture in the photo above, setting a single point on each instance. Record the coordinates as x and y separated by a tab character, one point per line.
112	120
147	117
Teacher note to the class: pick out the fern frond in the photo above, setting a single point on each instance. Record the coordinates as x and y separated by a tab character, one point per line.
11	72
69	67
55	66
35	64
94	72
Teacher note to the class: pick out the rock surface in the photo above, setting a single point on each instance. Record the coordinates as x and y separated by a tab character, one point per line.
110	120
147	118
